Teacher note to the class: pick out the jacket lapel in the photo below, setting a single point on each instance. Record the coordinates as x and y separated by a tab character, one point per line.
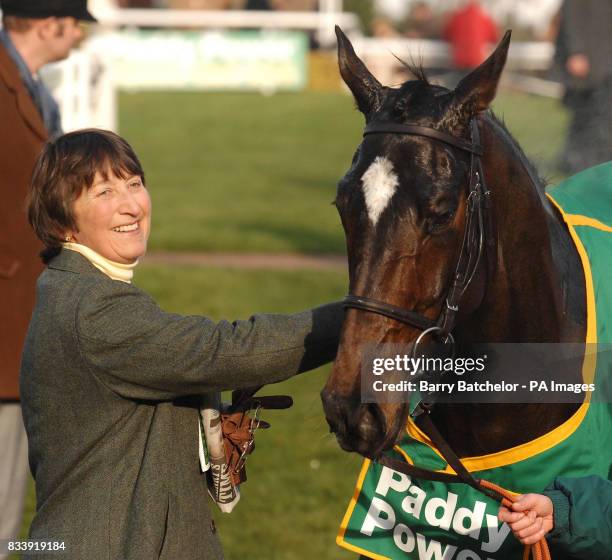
71	261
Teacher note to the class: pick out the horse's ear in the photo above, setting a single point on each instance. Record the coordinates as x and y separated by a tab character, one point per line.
365	87
476	91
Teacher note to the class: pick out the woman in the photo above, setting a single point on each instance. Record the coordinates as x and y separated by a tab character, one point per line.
108	379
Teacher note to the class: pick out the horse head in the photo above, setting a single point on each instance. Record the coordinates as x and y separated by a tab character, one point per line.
404	206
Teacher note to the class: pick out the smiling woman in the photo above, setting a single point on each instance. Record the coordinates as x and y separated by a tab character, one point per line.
89	190
113	217
111	385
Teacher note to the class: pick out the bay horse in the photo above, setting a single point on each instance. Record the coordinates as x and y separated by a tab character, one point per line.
404	204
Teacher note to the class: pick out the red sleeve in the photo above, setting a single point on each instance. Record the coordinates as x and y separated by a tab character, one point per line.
449	29
493	32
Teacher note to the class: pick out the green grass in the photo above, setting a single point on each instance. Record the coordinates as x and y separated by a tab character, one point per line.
246	172
299	479
242	172
236	294
539	124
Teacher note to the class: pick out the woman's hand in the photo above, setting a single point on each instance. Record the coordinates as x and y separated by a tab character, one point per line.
530	518
239	427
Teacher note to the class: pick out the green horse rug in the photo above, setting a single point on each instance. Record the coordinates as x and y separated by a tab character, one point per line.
394	516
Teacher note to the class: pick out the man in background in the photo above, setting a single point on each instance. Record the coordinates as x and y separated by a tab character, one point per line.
469	31
34	33
583	62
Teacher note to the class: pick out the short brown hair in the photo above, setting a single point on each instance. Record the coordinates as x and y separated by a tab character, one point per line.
66	167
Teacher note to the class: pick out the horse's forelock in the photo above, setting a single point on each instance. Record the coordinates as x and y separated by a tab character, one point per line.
416	69
418	102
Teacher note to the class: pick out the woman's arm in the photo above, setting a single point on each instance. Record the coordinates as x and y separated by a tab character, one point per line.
574	514
142	352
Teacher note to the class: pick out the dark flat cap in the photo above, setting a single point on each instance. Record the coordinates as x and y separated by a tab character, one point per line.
47	8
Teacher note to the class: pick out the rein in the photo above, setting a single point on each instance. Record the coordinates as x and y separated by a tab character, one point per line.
478	237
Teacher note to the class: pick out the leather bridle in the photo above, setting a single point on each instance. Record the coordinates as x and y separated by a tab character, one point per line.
478	236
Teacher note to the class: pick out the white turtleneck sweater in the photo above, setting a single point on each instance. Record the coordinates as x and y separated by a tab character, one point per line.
114	270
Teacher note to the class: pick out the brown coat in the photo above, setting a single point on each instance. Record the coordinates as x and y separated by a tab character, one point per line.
22	134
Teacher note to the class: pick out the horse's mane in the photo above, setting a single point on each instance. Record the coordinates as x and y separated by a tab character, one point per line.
540	182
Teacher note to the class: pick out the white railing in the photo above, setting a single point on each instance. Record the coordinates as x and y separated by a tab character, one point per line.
321	22
84	89
87	93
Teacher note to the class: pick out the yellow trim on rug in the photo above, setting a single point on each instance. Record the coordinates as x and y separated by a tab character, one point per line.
591	333
580	220
349	512
407	457
512	454
362	551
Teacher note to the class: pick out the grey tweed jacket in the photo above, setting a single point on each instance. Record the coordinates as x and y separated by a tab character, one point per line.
107	385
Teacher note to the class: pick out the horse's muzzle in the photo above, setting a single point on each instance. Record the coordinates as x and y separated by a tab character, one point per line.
358	427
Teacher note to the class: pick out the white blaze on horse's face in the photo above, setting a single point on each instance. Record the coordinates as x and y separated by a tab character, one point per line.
379	185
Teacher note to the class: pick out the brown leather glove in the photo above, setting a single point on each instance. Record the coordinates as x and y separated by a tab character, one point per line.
239	427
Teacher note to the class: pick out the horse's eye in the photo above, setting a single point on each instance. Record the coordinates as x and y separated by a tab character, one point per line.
440	221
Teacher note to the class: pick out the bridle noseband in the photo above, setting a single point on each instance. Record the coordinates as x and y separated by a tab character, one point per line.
477	233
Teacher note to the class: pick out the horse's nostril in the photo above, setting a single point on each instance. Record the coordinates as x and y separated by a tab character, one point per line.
376	413
373	423
332	410
325	398
332	425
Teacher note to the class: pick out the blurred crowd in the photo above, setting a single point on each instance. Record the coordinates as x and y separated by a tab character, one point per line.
468	28
580	31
